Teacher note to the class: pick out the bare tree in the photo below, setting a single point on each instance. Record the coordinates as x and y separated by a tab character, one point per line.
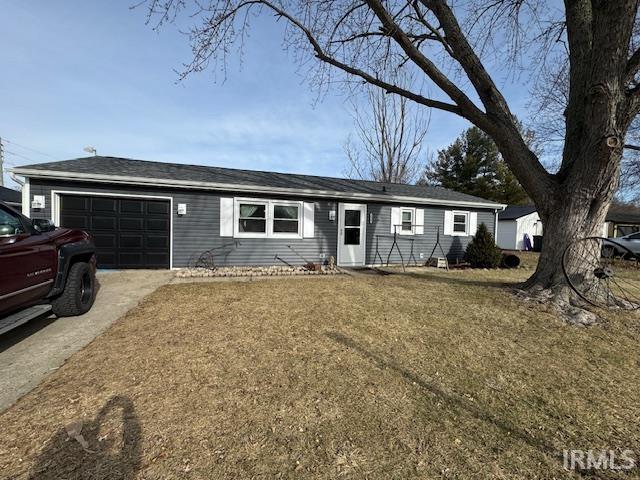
389	134
453	47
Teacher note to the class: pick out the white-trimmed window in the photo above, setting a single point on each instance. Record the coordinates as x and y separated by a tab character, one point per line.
461	223
286	219
407	221
252	218
259	218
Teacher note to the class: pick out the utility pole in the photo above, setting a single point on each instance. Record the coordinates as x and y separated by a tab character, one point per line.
1	164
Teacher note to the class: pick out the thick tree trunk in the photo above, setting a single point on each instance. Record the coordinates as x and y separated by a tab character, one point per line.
565	222
574	209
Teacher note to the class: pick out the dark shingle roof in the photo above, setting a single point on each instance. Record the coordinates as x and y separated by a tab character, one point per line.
10	196
113	166
513	212
624	214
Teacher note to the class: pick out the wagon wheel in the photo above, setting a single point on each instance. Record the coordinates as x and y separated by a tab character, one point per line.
595	269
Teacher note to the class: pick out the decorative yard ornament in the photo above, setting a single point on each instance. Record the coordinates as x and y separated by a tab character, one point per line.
597	270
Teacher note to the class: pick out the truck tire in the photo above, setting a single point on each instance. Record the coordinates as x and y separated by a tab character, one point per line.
79	292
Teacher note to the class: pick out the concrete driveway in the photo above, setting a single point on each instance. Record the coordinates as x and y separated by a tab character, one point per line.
30	352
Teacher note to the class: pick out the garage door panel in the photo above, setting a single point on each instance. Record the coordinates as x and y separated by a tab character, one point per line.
157	241
127	232
74	221
131	223
132	206
160	208
157	260
131	241
132	260
104	240
107	259
72	202
102	223
157	224
101	204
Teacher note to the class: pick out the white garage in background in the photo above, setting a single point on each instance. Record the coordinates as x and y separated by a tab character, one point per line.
516	221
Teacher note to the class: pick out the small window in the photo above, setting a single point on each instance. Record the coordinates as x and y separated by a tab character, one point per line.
635	237
407	216
252	218
460	222
286	219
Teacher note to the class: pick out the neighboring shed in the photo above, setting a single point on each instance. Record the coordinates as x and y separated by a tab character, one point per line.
11	197
145	214
514	223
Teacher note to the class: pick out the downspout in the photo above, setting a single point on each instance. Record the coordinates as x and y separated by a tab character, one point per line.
16	179
495	226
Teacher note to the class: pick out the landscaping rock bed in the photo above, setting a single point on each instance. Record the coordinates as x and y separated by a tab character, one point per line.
271	271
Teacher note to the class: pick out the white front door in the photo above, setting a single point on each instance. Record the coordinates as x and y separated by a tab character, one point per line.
351	234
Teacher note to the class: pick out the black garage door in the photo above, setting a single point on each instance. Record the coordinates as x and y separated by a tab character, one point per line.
128	232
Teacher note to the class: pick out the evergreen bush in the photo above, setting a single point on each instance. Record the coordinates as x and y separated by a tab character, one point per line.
482	251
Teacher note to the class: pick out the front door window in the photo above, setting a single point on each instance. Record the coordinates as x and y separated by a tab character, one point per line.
352	227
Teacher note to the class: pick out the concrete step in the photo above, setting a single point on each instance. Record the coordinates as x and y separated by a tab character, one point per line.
23	316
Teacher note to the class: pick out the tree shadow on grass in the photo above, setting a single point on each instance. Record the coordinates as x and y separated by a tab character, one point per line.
112	452
456	402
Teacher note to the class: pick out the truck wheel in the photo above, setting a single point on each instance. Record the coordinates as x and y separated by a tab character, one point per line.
79	292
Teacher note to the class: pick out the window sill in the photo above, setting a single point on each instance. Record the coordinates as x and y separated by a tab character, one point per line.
265	236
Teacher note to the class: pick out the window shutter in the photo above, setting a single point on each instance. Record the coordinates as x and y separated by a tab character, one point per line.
448	222
395	219
226	217
473	223
309	213
419	221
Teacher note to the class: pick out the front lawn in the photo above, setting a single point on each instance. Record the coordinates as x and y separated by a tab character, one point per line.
423	375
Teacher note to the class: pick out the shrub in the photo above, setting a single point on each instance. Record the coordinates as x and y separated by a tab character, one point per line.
482	251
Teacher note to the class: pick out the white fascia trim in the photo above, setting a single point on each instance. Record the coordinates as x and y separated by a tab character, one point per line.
157	182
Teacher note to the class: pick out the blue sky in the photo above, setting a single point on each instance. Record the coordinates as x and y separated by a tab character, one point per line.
78	73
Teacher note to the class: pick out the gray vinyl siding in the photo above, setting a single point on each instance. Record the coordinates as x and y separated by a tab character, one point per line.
453	247
199	229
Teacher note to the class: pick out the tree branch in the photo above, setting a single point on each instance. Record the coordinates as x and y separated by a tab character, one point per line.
468	109
323	56
633	66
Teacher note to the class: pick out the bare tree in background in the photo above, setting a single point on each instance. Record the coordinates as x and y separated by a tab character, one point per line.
390	132
453	48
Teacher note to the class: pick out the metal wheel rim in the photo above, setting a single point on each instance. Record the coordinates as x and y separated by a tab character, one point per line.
634	304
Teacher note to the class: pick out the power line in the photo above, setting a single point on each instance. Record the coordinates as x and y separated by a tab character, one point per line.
30	149
19	155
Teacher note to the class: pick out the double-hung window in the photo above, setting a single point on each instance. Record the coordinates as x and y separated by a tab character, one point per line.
461	223
252	218
285	219
267	218
407	221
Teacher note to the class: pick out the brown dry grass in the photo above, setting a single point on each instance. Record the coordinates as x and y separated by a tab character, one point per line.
424	375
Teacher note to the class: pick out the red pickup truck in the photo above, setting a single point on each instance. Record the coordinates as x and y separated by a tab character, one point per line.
43	268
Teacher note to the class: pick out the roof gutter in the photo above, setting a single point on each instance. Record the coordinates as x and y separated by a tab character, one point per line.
158	182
